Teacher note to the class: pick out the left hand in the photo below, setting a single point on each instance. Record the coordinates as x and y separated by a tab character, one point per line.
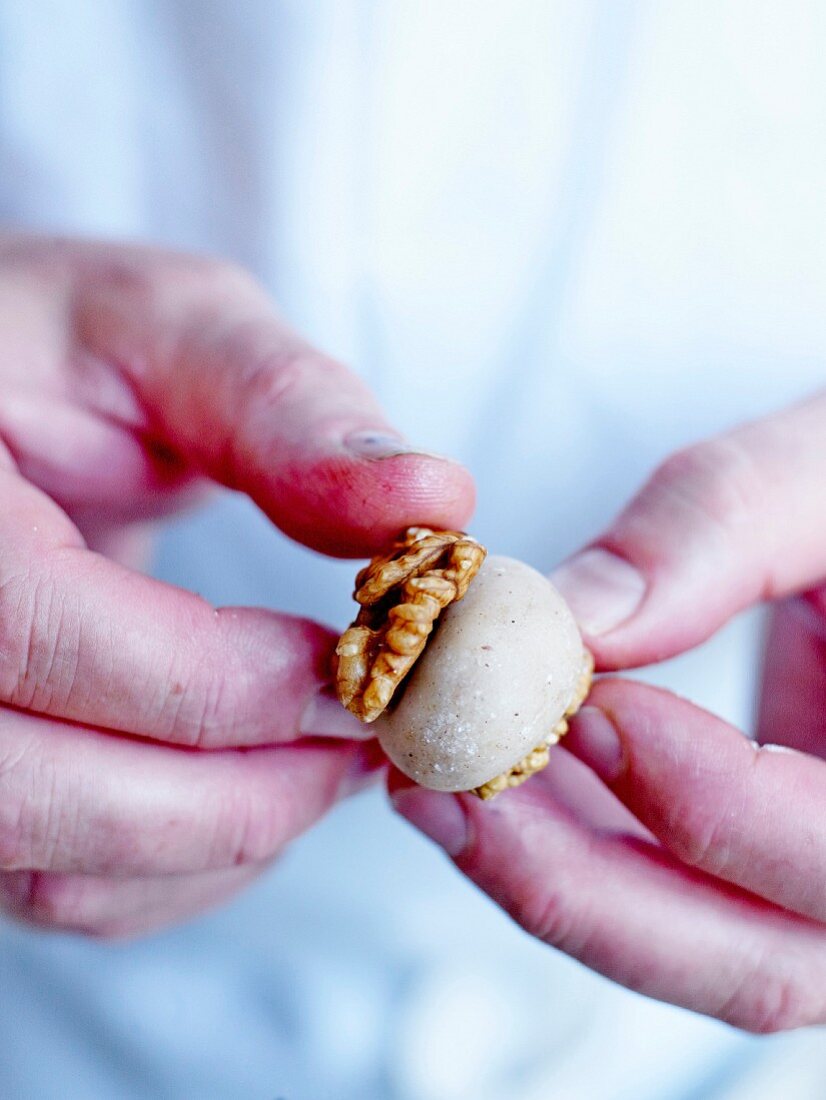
157	753
675	855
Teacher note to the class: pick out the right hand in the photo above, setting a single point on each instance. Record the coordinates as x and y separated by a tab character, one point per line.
675	855
139	775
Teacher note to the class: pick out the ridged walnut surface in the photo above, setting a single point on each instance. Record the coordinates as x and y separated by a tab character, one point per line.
402	595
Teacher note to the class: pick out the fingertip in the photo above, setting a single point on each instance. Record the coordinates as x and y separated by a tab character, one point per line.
627	702
603	589
324	716
422	490
346	506
604	733
628	612
366	767
593	739
609	692
633	710
664	741
441	817
397	781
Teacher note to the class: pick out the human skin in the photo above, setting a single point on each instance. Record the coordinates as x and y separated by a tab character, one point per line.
157	753
662	847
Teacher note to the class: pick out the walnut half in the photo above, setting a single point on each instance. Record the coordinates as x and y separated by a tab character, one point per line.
492	690
402	595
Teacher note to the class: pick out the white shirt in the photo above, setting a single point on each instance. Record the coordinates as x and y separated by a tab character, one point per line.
595	231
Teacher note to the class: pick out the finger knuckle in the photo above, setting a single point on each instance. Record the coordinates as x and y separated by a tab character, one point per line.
249	683
718	480
266	384
14	849
250	831
194	713
768	1003
699	835
207	283
17	627
151	281
545	913
220	275
39	645
274	379
154	278
57	903
26	818
219	700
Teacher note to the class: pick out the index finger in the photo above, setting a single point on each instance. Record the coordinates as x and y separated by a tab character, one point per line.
230	388
625	907
752	815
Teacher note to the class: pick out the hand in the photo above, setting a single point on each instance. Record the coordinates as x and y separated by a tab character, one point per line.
662	847
138	775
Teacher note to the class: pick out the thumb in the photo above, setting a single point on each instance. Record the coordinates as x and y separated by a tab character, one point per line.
231	389
727	523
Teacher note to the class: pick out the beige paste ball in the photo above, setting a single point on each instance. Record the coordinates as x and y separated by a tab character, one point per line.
493	681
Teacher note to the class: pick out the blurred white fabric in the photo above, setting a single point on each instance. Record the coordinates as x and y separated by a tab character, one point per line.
596	231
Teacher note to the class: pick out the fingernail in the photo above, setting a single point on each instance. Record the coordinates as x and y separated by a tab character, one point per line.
367	765
438	816
324	716
602	589
594	740
370	444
